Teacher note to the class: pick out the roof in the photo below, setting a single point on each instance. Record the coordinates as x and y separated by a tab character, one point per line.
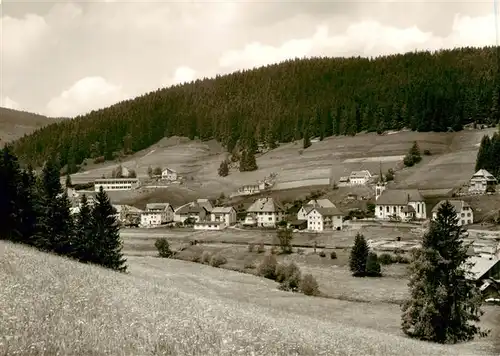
157	206
408	209
458	205
298	222
399	197
222	209
190	209
344	179
483	173
328	211
482	265
307	208
102	180
323	203
168	170
205	203
265	205
360	174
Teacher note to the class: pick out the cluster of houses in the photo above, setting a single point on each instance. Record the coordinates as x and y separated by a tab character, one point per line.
168	175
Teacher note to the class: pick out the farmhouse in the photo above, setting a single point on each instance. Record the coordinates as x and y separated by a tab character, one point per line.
463	210
193	211
128	215
210	225
224	214
485	271
169	174
400	205
359	177
306	208
110	184
266	212
323	219
157	214
482	182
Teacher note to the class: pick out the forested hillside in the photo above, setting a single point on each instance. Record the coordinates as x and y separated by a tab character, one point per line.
279	103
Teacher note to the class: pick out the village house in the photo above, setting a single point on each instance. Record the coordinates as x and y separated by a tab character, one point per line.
306	208
127	214
485	272
111	184
344	181
250	189
169	174
323	219
157	214
463	210
482	182
193	211
396	204
210	225
265	212
359	177
224	214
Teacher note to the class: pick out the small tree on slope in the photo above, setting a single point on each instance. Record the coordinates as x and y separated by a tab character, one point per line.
443	302
359	255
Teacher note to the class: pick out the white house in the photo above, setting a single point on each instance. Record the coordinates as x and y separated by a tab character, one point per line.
266	212
210	225
359	177
157	214
250	189
463	210
306	208
192	211
323	219
481	182
224	214
169	174
109	184
401	205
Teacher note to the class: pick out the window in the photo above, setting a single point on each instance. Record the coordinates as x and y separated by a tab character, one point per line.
418	208
469	221
463	222
468	215
380	208
394	209
463	214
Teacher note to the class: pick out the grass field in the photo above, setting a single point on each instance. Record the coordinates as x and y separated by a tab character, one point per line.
451	163
50	305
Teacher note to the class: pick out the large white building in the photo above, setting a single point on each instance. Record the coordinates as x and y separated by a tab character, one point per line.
157	214
324	219
359	177
400	205
463	210
110	184
265	212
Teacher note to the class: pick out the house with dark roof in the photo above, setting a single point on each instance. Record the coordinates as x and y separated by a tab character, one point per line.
306	208
192	211
482	182
265	212
324	219
399	204
463	210
485	272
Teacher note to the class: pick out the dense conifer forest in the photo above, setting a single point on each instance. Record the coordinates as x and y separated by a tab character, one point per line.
279	103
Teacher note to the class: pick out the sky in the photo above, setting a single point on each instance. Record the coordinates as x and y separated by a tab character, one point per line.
67	58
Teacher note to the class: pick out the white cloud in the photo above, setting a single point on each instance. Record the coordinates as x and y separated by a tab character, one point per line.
87	94
183	74
8	103
368	38
19	36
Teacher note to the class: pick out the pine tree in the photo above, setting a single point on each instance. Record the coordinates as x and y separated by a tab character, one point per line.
243	161
106	232
224	169
307	138
482	159
444	305
85	244
359	255
251	164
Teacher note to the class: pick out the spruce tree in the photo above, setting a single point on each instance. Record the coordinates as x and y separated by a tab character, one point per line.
10	181
243	162
68	183
106	233
27	206
359	255
85	244
251	164
307	137
483	153
443	305
223	169
373	265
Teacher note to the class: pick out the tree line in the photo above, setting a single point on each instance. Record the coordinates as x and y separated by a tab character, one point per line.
488	156
292	100
35	211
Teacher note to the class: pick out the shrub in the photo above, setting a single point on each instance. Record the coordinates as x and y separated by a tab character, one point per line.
217	260
261	248
333	255
267	267
372	265
250	247
273	250
300	251
284	238
205	257
322	253
196	256
250	264
288	276
308	285
163	248
427	153
385	259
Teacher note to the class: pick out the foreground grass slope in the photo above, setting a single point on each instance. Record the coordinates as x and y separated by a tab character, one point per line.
51	306
15	124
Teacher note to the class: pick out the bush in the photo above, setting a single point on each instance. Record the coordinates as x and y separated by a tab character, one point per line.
300	251
308	285
217	260
372	265
333	255
205	257
163	248
267	267
385	259
250	247
196	256
427	153
401	259
322	254
290	277
249	264
261	248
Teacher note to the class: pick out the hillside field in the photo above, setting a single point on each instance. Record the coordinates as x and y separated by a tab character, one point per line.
51	306
450	165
